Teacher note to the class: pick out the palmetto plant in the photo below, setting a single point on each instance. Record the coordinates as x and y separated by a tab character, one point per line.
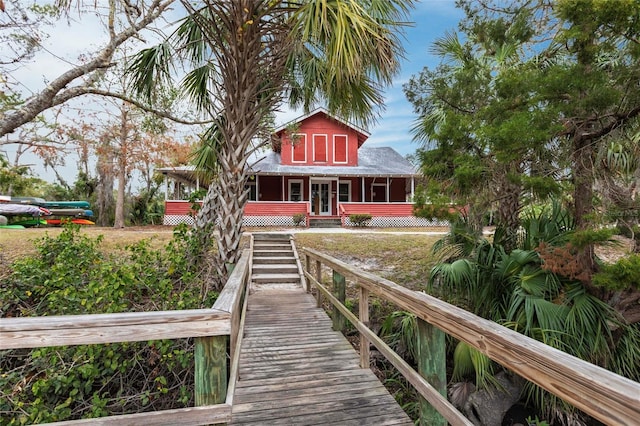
248	56
517	290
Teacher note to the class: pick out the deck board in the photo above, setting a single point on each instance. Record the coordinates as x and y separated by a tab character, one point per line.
295	370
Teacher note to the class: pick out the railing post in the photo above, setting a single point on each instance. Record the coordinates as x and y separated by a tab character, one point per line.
339	290
431	366
318	279
308	267
363	306
211	376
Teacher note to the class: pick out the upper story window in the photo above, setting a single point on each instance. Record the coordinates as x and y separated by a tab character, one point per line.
340	152
299	147
320	154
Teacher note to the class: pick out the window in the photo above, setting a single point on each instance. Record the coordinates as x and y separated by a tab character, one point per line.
295	190
299	148
344	191
320	148
252	188
340	154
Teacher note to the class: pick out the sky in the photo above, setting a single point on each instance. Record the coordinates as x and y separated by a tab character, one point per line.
430	20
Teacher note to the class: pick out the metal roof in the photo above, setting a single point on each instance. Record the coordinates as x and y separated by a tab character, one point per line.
372	162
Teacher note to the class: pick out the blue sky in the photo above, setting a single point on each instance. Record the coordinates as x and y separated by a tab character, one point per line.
431	19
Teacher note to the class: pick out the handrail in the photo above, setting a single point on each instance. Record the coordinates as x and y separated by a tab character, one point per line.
223	320
608	397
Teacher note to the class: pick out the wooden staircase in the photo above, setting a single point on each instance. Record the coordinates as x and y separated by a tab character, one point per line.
275	264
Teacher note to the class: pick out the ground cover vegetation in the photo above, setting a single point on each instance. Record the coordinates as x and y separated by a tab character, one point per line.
71	273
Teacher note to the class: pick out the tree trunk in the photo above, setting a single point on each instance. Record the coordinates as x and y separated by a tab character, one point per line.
122	166
583	158
231	200
119	214
508	214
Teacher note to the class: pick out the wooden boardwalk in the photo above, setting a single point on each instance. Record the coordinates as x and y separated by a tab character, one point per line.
295	370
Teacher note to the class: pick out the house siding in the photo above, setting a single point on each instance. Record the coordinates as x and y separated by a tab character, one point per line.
317	136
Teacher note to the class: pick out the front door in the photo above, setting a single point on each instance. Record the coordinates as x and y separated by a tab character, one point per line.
320	198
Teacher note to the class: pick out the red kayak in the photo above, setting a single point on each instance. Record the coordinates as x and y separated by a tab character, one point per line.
63	221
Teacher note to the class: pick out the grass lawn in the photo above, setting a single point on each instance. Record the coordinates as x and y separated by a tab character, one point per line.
403	256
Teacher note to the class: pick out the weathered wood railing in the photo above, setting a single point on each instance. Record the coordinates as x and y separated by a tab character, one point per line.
217	332
606	396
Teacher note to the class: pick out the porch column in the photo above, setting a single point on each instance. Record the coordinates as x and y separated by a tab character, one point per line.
257	188
197	183
413	187
166	187
362	198
282	177
387	191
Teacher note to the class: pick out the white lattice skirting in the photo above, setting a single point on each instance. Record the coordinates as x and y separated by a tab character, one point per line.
400	222
174	220
252	221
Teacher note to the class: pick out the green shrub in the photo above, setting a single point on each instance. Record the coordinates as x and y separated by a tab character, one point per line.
622	275
299	219
70	275
360	220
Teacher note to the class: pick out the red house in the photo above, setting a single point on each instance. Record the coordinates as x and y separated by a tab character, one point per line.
317	169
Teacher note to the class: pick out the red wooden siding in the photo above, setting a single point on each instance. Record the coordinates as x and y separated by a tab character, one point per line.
320	134
176	208
266	208
378	209
252	208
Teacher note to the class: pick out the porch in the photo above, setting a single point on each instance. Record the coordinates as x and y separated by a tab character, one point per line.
287	213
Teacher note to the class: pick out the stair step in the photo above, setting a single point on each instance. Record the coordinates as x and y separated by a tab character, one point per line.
274	260
272	253
271	237
272	246
275	269
275	278
325	223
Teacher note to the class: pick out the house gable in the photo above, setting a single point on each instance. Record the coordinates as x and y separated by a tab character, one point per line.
319	140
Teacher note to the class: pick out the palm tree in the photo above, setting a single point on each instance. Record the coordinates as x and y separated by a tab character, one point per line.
531	290
251	55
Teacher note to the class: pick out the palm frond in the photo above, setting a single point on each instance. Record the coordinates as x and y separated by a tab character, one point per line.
190	38
150	69
205	157
468	361
450	48
196	86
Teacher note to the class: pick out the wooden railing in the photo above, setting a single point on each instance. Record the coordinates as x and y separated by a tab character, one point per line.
217	332
608	397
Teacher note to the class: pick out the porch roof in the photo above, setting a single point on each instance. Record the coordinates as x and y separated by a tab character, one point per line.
372	162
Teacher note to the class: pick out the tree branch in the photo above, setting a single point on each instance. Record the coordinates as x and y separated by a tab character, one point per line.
57	90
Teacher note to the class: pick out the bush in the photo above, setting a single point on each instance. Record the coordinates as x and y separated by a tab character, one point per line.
299	219
70	275
360	220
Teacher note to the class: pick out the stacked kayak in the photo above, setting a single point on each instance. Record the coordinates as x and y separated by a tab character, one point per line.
33	211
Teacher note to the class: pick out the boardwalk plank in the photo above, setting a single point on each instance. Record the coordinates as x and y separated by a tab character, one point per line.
295	370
